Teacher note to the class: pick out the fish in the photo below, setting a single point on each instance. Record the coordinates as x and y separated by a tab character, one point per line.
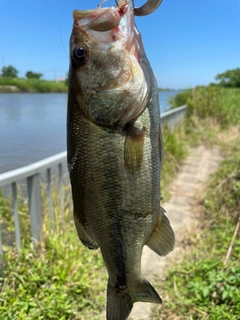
115	151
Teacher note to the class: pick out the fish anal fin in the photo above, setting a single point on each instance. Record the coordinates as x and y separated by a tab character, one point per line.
162	239
86	240
133	150
144	292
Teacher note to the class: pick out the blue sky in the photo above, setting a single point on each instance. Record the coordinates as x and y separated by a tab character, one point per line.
187	42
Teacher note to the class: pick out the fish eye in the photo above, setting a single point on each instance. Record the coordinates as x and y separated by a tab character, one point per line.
80	54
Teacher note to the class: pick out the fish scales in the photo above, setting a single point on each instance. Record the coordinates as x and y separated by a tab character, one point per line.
115	154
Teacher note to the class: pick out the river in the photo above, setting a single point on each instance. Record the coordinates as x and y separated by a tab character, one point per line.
33	126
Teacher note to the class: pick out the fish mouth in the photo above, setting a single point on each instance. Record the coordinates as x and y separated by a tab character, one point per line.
103	19
107	25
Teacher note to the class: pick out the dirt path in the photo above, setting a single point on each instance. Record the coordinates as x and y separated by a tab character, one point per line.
180	211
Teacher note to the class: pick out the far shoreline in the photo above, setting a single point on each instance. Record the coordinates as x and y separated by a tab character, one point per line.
14	89
22	85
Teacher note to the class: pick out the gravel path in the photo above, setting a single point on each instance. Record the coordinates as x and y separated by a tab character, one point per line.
189	182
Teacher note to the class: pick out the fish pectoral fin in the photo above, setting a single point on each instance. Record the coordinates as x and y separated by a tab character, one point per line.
86	240
133	149
162	239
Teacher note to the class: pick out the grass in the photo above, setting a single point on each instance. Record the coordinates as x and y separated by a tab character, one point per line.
200	285
58	279
216	103
31	85
175	151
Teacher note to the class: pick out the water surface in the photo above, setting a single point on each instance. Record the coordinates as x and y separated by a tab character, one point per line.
33	126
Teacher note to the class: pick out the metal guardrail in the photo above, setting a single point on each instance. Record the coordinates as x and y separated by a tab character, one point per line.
173	117
31	174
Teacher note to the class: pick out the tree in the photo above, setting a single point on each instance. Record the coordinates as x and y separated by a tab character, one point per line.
230	78
33	75
9	71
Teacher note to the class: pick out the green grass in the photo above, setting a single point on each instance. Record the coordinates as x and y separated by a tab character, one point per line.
31	85
201	286
221	105
175	151
58	279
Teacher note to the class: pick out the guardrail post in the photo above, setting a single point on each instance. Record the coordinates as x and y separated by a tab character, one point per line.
60	186
1	255
15	213
1	249
173	118
50	202
34	195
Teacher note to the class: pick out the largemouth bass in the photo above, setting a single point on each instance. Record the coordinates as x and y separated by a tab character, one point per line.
115	151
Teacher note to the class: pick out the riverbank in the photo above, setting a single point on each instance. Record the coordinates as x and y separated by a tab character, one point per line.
201	277
17	85
201	280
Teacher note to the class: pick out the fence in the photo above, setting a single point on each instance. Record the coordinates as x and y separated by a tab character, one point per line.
173	117
31	175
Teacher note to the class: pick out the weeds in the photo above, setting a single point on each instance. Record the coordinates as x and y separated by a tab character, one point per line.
203	285
60	282
220	105
175	152
58	279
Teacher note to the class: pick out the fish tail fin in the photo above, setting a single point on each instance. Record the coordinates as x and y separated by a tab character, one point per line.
162	239
120	302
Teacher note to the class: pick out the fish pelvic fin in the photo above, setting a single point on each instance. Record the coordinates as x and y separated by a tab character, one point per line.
120	301
85	238
162	239
133	149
